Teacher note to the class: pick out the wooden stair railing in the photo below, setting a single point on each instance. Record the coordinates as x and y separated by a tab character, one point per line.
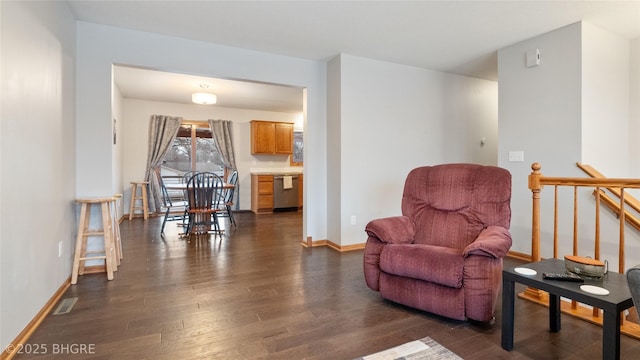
611	203
615	207
617	186
629	200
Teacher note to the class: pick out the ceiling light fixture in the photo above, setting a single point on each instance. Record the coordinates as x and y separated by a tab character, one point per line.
204	98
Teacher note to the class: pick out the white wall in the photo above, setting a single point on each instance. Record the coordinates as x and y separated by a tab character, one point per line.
398	119
117	158
99	47
634	107
558	113
135	136
471	112
37	147
334	148
605	101
539	112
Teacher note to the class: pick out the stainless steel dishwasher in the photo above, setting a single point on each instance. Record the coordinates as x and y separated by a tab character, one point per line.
285	195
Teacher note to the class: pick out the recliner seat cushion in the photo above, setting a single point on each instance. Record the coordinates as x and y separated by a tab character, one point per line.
427	296
436	264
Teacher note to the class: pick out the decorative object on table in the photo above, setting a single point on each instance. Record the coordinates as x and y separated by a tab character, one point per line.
444	254
423	349
596	290
525	271
585	266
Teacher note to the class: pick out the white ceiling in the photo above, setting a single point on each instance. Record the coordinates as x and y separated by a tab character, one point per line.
460	37
145	84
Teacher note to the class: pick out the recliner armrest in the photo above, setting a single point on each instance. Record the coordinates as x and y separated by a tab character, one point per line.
392	230
494	241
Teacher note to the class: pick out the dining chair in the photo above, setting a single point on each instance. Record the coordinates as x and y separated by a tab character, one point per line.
225	207
205	193
174	208
187	175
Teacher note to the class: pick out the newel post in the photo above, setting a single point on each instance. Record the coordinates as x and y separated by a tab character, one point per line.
530	293
535	187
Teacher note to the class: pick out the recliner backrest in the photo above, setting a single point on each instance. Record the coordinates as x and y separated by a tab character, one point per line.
633	280
451	203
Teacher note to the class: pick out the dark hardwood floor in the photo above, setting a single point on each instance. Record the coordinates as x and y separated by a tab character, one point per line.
256	293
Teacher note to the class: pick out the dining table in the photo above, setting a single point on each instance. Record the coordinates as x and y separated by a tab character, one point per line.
183	187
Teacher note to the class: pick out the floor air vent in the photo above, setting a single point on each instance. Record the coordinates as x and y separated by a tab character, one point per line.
65	306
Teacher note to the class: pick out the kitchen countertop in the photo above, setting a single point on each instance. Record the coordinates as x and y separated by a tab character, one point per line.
279	171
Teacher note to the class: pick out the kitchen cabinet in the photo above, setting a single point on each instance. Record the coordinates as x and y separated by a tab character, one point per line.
263	137
261	193
284	138
269	137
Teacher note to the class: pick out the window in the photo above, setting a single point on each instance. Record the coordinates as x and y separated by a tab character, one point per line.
193	138
298	146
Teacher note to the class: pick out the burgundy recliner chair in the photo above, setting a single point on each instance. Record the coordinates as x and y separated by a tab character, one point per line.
444	254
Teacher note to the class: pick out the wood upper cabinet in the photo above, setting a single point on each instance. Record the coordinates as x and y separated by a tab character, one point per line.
268	137
263	139
284	138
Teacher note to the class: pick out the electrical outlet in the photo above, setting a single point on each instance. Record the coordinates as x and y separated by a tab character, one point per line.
353	219
516	156
59	248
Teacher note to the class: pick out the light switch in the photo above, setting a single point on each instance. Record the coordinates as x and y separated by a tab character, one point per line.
516	156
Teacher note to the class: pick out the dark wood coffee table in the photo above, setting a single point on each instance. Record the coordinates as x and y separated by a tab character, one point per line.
612	304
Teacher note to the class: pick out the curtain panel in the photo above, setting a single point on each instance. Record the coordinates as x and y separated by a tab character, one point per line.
162	130
222	131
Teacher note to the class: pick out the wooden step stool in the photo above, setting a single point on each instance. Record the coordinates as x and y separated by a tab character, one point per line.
143	198
108	252
116	226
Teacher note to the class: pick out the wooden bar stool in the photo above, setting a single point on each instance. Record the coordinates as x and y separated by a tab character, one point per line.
143	197
108	252
116	226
